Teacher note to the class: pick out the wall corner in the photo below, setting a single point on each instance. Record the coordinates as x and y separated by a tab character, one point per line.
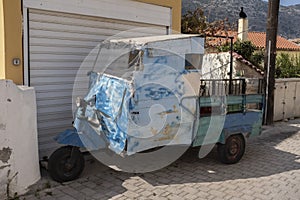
12	37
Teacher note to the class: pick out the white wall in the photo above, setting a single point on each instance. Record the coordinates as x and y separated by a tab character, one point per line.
286	99
19	164
216	65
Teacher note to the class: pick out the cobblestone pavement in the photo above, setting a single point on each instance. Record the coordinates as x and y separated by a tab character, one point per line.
270	169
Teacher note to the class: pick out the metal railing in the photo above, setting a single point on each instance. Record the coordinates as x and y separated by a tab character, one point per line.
221	87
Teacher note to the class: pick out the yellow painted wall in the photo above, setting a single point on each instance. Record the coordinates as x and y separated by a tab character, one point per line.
11	40
176	11
2	69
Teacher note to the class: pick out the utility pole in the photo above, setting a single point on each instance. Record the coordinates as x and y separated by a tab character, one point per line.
270	59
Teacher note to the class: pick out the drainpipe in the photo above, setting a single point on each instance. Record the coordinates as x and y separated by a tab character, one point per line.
231	65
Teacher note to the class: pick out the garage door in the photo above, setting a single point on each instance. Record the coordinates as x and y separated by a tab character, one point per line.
57	44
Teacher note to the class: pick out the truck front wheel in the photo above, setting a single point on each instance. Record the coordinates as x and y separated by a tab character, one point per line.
66	164
233	150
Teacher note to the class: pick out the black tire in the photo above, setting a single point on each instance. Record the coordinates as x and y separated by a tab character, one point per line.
59	167
233	150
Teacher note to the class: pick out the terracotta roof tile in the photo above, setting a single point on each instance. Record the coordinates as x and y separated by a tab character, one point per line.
248	63
214	41
258	39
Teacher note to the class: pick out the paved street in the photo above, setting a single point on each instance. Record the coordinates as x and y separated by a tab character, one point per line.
270	169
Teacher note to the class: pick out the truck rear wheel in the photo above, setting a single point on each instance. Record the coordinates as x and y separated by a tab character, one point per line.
66	164
233	150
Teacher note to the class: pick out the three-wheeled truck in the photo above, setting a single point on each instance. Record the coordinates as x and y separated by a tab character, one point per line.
152	94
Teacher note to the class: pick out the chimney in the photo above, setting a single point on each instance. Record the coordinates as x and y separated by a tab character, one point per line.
243	26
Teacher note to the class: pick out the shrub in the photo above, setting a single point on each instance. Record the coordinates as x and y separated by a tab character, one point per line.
287	66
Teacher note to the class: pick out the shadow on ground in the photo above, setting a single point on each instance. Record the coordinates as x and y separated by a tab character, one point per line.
262	158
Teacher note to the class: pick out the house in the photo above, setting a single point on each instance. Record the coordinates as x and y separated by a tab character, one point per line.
43	44
258	39
241	66
217	66
245	68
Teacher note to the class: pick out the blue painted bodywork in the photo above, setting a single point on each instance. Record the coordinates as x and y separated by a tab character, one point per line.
215	128
247	124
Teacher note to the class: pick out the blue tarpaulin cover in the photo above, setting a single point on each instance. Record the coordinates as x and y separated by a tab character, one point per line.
101	119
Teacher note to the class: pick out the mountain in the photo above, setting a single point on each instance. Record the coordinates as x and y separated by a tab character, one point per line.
256	10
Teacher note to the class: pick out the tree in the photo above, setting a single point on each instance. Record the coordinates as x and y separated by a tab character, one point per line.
258	58
194	22
287	66
247	50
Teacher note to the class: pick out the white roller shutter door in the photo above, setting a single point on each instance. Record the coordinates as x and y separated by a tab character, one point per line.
58	43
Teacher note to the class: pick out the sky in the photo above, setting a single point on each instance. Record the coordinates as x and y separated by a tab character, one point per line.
288	2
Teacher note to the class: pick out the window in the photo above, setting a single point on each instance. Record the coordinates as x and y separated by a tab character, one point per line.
134	58
193	61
